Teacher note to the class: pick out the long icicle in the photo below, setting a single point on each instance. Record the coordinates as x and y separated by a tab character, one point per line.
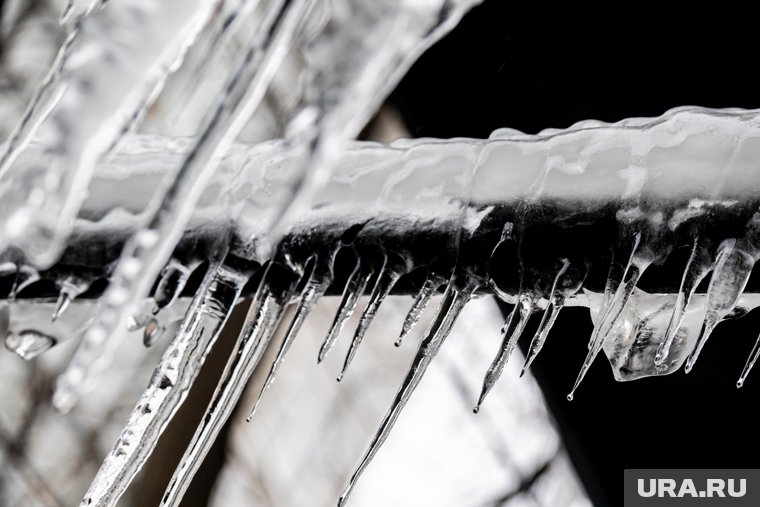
146	252
317	284
731	274
697	267
510	332
261	323
608	318
614	277
454	300
221	32
355	287
63	127
432	283
386	279
557	298
170	383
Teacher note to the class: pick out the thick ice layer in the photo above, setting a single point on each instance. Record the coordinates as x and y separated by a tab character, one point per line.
679	167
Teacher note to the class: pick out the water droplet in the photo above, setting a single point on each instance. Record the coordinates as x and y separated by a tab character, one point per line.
29	343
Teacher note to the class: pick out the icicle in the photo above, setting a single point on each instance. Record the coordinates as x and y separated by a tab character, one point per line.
29	343
432	283
64	299
507	236
42	198
750	363
168	388
317	284
44	98
510	332
614	277
68	9
221	32
697	267
25	276
173	279
454	299
564	286
730	276
386	279
609	317
146	252
355	286
71	287
261	323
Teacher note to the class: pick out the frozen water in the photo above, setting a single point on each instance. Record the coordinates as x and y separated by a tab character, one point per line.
415	214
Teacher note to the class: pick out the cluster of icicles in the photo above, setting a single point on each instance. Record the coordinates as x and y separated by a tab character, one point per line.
381	221
273	219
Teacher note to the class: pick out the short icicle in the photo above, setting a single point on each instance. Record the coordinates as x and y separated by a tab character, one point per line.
68	9
261	322
25	276
559	293
168	388
171	283
316	285
71	287
458	292
751	360
732	270
510	332
697	267
355	286
432	283
386	279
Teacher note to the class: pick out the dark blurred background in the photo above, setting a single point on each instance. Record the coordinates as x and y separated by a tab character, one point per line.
530	68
